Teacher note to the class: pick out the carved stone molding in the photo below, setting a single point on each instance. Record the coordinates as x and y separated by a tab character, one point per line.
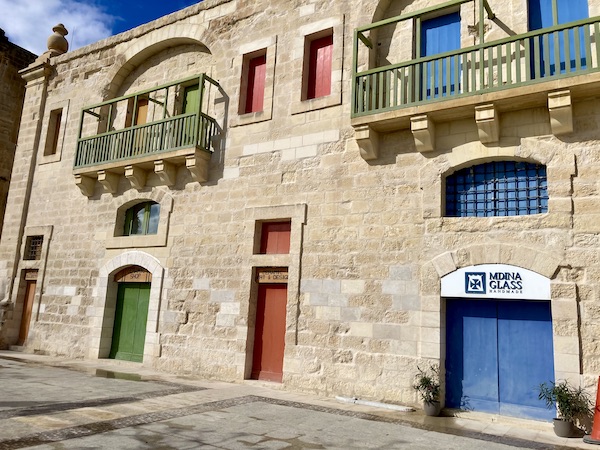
136	176
198	164
423	130
368	142
167	172
109	180
488	123
85	184
561	112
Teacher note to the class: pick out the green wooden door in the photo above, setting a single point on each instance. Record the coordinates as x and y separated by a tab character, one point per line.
191	99
131	314
191	105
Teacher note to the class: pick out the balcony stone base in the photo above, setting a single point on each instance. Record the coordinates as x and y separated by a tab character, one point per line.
197	164
423	130
136	171
561	112
488	123
368	142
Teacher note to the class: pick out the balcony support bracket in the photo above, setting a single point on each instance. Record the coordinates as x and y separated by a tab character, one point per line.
368	142
85	184
167	172
136	176
488	123
197	164
561	112
109	180
423	130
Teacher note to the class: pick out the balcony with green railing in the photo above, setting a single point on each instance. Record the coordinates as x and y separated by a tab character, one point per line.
156	130
518	70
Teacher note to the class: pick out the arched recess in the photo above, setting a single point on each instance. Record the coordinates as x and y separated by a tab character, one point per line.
563	303
559	163
121	203
105	302
151	44
389	42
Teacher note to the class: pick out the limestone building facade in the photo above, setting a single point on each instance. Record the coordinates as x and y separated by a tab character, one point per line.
323	194
12	90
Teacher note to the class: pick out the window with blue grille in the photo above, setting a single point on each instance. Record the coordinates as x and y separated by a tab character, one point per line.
502	188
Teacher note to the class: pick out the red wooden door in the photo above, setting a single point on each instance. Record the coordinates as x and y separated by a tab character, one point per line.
27	309
269	335
319	71
255	93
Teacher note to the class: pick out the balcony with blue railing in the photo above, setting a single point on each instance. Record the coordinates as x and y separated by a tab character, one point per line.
518	71
155	130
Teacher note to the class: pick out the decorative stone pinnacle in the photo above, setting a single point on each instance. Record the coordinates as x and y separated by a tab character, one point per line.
57	44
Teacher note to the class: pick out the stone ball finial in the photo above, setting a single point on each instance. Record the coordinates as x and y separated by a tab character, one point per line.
57	43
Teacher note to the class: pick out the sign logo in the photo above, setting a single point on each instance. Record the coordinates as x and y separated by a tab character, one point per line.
475	282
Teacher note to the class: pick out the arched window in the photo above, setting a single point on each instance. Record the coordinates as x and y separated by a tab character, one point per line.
142	219
502	188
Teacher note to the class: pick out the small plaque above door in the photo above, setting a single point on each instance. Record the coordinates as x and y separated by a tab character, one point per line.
272	275
133	274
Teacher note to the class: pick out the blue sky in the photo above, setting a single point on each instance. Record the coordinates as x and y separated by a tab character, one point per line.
28	23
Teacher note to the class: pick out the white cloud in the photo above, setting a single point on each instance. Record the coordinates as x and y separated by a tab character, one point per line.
28	23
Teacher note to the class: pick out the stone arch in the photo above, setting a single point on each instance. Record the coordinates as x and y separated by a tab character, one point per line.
560	167
567	352
151	44
104	302
120	205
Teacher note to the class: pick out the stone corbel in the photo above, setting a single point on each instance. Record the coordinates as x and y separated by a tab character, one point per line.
136	176
368	142
197	164
561	112
85	184
109	180
423	130
488	123
167	172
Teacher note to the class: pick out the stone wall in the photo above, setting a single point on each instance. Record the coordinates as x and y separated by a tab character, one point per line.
12	90
369	238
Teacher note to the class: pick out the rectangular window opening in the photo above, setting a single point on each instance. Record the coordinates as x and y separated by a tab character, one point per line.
318	65
275	237
33	248
253	82
52	138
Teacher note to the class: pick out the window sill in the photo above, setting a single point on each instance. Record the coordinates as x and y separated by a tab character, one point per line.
250	118
313	104
154	240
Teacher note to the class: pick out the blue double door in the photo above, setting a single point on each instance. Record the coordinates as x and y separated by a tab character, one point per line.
497	354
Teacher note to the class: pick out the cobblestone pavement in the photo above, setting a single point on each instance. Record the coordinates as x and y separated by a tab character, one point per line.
46	403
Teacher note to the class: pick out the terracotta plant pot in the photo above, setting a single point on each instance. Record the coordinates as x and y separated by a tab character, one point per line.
563	428
432	409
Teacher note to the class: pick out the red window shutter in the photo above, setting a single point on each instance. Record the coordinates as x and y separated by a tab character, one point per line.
255	93
275	237
319	69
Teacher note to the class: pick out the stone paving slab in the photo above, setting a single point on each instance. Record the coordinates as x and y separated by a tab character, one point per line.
45	407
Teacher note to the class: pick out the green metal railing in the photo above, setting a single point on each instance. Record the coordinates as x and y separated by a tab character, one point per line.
195	129
542	55
153	138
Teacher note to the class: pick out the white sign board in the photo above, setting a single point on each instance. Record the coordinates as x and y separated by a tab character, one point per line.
496	281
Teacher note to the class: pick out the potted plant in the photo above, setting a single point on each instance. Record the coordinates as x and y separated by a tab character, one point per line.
570	402
427	384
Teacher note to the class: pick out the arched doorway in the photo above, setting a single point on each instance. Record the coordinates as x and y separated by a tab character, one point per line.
131	314
499	340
